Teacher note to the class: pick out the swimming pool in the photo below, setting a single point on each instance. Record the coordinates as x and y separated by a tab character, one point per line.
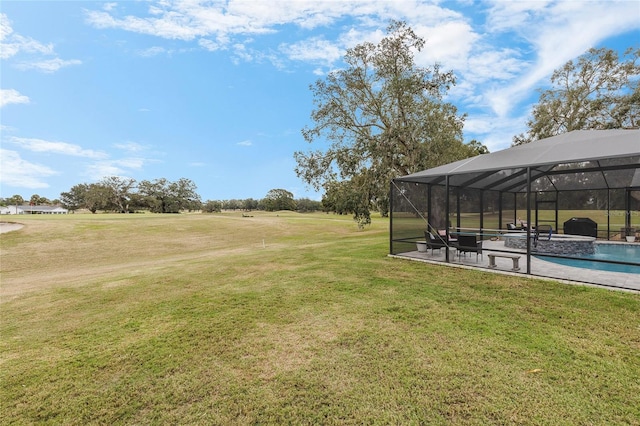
606	252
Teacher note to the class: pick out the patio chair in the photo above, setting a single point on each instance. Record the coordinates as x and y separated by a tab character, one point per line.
433	242
469	244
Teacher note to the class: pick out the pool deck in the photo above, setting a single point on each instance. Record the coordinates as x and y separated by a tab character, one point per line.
539	268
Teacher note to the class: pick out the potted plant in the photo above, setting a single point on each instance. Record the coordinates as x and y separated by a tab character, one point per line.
630	234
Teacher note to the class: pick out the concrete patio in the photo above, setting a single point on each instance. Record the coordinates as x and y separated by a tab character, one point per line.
539	268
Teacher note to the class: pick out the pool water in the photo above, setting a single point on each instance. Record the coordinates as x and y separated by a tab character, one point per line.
607	252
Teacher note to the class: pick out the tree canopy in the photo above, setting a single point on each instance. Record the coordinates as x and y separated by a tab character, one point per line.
279	199
163	196
384	117
600	90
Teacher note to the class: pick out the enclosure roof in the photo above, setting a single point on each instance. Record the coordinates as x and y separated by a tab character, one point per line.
602	158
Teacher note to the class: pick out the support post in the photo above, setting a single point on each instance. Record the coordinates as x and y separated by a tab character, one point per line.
500	210
458	212
446	219
529	220
429	214
608	214
481	215
391	217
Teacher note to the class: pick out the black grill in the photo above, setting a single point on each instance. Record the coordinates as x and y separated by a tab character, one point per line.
581	226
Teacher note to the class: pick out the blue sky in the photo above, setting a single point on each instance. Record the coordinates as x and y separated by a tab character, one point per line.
218	91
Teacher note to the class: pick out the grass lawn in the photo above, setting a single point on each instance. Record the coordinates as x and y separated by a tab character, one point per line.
284	318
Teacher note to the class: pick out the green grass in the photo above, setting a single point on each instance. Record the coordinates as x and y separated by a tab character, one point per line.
287	318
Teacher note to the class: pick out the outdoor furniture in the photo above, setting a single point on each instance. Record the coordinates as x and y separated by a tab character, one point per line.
469	244
581	226
433	242
512	227
514	257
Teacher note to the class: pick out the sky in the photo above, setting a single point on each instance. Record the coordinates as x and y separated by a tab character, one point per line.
218	92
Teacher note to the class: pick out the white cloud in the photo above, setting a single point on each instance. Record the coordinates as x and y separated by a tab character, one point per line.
130	146
506	16
52	147
13	45
152	51
5	27
241	52
12	96
171	25
245	143
313	50
496	64
120	167
211	45
48	65
131	163
449	43
110	6
17	172
19	44
100	170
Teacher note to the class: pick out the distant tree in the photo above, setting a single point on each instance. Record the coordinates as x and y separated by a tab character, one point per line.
97	197
75	198
279	199
477	147
153	195
598	91
232	204
186	194
346	198
384	116
15	200
249	204
37	200
305	205
163	196
120	192
212	206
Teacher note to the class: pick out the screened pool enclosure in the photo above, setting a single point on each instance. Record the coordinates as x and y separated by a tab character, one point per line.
550	199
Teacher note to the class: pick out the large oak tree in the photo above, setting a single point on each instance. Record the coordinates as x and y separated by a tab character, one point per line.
384	117
163	196
600	90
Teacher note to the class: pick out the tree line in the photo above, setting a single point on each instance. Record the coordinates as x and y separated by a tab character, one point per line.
275	200
124	195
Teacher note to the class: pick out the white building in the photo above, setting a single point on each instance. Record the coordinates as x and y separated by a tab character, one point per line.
28	209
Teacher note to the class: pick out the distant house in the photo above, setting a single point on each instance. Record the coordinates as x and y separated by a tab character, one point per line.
28	209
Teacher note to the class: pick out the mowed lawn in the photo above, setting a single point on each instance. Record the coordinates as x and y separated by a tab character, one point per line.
285	318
